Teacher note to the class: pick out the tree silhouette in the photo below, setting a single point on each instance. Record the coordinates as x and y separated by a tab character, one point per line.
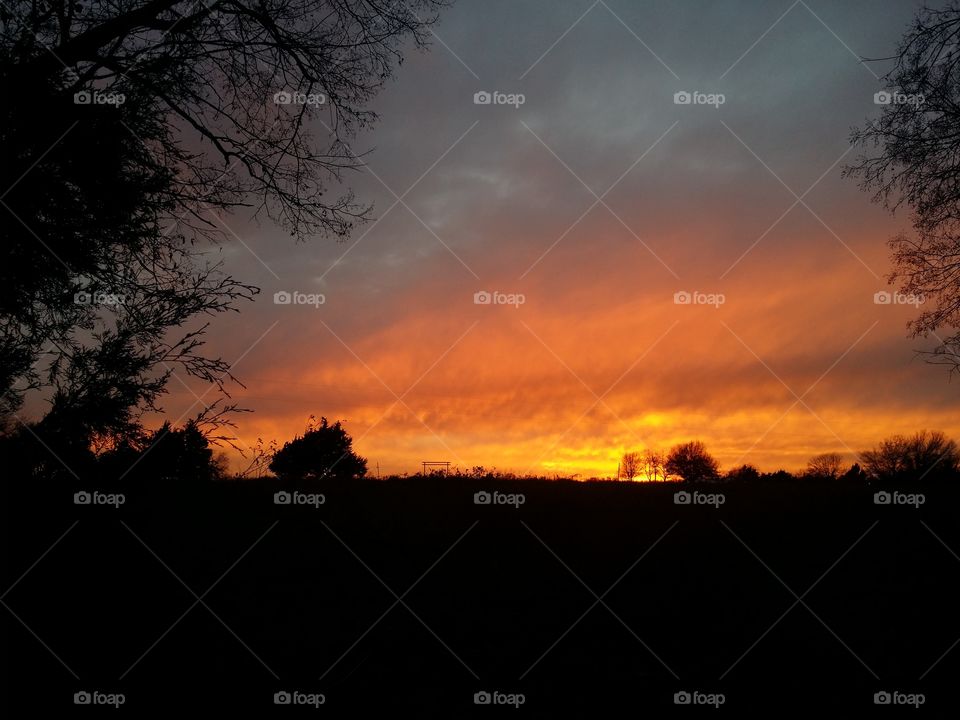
630	465
913	157
826	466
323	452
854	474
181	454
691	462
744	473
924	455
128	128
653	465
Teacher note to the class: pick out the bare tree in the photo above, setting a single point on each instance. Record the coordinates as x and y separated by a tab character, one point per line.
912	158
653	465
923	456
630	465
826	466
244	77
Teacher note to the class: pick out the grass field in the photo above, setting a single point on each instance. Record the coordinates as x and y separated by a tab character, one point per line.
406	593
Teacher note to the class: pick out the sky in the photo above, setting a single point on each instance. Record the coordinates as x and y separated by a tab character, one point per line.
583	212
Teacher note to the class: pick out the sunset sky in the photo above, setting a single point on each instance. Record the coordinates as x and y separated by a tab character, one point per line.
598	199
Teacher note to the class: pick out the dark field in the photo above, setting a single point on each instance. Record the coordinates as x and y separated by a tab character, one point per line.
492	598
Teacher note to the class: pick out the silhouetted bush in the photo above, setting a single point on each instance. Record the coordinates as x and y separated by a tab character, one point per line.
744	473
166	455
180	454
854	474
778	476
324	451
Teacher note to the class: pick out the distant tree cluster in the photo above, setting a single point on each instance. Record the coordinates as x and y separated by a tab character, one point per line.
325	452
689	462
923	456
167	455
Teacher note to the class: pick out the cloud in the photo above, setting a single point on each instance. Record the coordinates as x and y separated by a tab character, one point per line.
499	211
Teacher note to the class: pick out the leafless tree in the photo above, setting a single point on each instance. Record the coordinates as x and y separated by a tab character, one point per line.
912	158
630	465
826	465
922	456
653	465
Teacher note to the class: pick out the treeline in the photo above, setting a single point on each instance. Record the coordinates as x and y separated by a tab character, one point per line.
925	455
188	454
66	451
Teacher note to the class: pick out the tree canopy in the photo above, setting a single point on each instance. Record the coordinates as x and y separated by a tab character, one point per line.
129	129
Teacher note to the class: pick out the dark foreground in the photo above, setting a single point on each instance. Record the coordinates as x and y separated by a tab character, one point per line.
787	598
